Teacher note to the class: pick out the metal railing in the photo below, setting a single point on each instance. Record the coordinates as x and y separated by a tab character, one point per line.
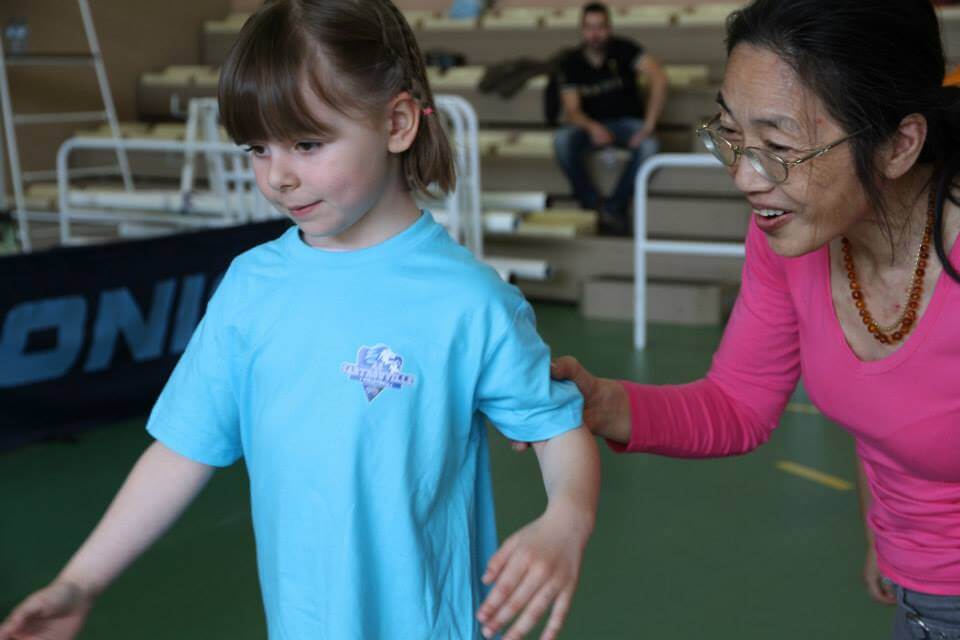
643	246
463	204
235	200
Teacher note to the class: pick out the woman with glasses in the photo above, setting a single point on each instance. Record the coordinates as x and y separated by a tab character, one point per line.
834	124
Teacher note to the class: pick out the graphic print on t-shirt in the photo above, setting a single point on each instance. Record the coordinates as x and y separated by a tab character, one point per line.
377	368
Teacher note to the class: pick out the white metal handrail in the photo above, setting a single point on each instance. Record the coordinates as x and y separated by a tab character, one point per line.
644	246
463	204
242	202
464	210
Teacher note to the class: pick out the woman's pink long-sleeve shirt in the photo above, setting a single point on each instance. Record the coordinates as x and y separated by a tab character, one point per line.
903	410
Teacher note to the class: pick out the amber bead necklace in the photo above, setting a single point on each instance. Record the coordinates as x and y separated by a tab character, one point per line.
889	334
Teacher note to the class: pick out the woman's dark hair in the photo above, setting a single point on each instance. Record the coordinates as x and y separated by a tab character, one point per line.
356	55
871	63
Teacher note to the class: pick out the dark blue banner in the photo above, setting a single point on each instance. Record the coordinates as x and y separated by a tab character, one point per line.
89	334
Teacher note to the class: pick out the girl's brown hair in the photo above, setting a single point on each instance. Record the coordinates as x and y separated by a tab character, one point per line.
356	56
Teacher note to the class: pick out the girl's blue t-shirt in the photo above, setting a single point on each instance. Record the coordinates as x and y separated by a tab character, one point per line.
354	385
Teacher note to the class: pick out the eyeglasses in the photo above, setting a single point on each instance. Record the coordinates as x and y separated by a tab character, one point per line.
769	165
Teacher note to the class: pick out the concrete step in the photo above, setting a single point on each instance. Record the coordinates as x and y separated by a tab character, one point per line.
683	303
515	172
696	218
574	261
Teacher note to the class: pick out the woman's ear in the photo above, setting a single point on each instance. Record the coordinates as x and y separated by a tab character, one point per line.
900	153
403	122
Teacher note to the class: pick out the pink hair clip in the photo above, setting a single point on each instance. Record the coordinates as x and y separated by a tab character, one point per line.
428	111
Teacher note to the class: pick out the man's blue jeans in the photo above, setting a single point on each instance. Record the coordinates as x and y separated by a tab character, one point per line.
571	145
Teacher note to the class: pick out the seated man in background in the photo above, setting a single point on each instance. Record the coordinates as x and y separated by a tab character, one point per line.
602	108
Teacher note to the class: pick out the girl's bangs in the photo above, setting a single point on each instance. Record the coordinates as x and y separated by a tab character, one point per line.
262	85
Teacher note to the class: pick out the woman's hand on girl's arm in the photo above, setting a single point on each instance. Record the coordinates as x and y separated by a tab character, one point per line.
606	406
537	568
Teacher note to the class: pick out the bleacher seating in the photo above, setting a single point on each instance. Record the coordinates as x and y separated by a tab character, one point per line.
515	146
615	5
166	94
516	149
675	34
691	98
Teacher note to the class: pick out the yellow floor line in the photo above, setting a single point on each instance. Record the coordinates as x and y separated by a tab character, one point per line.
801	407
816	476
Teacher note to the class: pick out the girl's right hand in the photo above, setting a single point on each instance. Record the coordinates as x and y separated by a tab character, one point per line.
56	612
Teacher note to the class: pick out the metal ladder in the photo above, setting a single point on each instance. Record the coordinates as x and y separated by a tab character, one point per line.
11	120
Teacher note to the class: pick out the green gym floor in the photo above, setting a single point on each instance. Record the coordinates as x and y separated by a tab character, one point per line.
736	548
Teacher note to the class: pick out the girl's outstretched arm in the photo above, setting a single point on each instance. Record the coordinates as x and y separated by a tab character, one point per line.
160	486
537	567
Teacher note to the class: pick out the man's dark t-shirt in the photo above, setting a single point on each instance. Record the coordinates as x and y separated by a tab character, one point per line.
610	90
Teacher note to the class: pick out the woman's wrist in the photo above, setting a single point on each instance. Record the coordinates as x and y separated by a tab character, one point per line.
618	425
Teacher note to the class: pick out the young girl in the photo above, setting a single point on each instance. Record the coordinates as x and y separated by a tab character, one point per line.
348	362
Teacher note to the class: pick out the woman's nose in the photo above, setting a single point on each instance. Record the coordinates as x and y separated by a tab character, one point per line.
746	177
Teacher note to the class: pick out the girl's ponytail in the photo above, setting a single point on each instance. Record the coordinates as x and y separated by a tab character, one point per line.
429	161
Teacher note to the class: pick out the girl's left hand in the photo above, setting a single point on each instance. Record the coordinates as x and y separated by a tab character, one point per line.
535	568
